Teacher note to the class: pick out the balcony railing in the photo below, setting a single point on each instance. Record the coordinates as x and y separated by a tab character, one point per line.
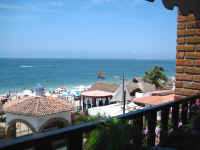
72	137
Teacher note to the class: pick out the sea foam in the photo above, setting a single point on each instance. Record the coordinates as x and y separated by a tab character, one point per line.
24	66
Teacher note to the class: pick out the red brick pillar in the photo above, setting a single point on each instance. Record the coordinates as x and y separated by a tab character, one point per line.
188	56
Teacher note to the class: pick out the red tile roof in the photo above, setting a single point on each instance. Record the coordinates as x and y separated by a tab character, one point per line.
155	100
37	106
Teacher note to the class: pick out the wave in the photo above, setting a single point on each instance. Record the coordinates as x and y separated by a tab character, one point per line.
24	66
43	66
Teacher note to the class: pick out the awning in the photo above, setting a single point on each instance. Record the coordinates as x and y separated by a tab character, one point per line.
96	93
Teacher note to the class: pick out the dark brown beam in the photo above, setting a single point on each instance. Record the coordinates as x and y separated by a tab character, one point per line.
186	6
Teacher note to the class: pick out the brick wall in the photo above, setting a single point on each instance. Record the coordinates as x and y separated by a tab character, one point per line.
187	56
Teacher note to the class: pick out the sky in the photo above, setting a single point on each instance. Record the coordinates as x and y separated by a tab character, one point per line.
87	29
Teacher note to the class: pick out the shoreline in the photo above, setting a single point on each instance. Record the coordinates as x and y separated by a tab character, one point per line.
46	88
21	74
71	86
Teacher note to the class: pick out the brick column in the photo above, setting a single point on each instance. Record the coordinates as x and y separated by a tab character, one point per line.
187	56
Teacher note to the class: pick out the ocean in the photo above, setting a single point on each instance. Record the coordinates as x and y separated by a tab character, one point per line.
19	74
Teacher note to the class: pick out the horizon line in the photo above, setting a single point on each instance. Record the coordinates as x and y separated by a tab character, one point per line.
85	58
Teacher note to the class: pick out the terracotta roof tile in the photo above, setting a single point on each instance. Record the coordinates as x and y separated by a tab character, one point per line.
155	100
37	106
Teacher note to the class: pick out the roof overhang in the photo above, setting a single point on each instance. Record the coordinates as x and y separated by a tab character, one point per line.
185	6
97	93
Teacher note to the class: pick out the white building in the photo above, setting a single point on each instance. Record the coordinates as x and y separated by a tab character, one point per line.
113	109
36	114
118	106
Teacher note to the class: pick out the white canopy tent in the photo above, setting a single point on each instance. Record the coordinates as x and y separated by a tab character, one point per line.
118	95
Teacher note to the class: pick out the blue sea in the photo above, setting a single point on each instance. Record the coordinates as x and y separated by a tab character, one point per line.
19	74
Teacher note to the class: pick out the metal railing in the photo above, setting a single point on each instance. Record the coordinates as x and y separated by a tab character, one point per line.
72	137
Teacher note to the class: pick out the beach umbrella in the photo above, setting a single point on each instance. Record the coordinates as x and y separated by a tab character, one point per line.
47	94
27	92
78	93
20	94
51	89
58	89
69	89
54	95
71	94
64	95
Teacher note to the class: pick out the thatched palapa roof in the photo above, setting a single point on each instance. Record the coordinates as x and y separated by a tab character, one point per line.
118	95
104	86
131	86
140	84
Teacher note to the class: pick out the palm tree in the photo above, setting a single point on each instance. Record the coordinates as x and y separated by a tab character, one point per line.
112	135
156	75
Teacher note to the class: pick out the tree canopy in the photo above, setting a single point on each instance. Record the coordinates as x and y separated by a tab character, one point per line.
156	76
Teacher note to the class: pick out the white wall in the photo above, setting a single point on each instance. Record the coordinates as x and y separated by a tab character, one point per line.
37	122
64	115
138	94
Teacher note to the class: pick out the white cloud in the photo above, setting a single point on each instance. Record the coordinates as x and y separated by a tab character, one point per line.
29	7
102	1
57	4
10	6
5	18
16	18
131	3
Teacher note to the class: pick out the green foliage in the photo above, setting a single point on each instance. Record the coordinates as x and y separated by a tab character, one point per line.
112	135
156	75
195	110
85	117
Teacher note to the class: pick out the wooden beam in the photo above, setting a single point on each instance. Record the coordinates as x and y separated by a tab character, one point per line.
186	6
